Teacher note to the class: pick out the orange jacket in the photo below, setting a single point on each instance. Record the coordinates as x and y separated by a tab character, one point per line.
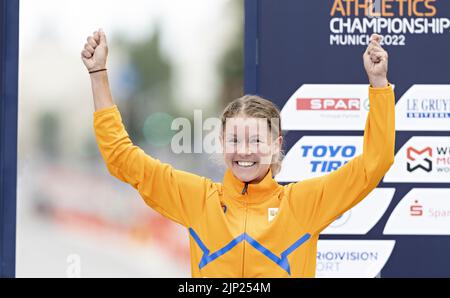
230	232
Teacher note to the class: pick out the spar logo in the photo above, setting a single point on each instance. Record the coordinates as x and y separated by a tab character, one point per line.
326	107
419	159
328	104
327	158
331	104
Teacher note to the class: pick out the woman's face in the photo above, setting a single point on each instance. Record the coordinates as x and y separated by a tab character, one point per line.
249	147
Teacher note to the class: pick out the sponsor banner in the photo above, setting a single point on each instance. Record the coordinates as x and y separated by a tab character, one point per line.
420	160
424	108
317	78
326	107
352	258
364	216
314	156
423	211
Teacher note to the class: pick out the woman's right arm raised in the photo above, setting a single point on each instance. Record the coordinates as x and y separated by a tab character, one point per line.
175	194
94	57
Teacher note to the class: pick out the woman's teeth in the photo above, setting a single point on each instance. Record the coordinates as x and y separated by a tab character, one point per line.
245	163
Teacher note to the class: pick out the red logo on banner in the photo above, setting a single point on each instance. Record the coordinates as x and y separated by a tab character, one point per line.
416	209
424	161
328	104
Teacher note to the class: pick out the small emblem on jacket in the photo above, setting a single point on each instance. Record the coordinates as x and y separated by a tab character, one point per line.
271	213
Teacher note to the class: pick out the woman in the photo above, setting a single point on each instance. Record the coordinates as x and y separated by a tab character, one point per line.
249	225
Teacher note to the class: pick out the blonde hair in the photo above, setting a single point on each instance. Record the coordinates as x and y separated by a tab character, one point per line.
257	107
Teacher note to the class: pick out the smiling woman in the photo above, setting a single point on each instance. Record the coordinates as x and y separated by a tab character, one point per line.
251	138
249	225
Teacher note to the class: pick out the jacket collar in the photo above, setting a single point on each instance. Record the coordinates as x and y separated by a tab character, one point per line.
254	193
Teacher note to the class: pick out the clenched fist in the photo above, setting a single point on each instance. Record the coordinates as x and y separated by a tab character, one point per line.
376	62
95	51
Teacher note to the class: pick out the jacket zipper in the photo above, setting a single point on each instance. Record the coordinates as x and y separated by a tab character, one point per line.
244	191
